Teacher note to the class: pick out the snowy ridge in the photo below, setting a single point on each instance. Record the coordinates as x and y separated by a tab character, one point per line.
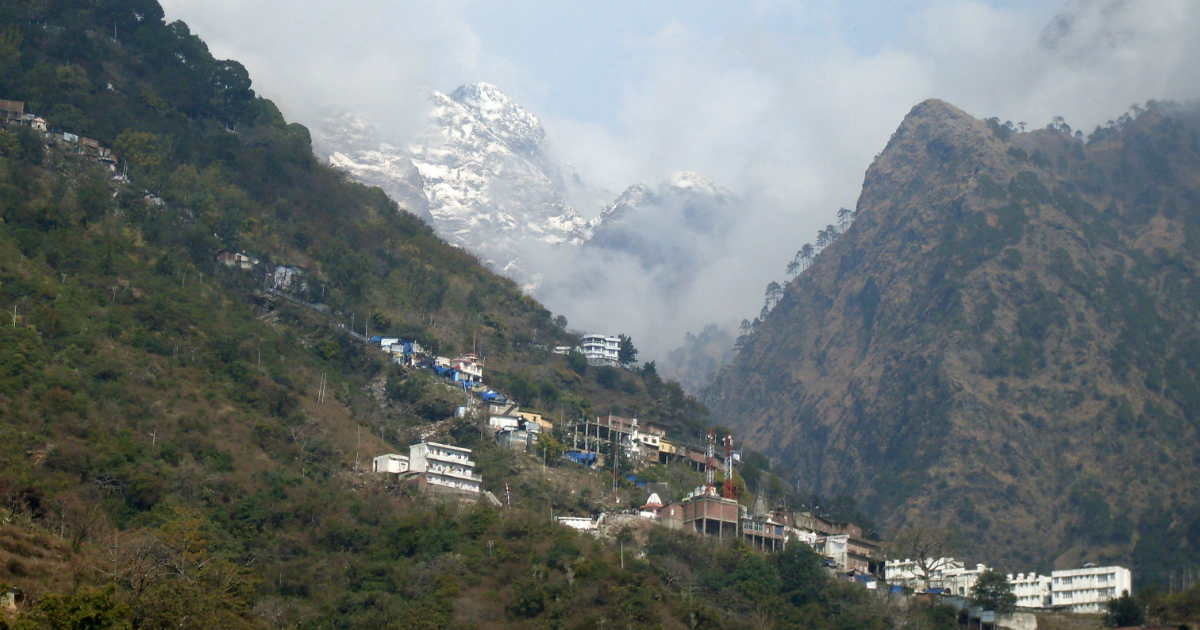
479	176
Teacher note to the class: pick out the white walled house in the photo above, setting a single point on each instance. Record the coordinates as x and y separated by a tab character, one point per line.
602	349
1087	590
1032	590
504	423
391	463
469	367
581	523
442	466
959	580
908	572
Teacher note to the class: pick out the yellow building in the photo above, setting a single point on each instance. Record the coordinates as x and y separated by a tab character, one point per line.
537	419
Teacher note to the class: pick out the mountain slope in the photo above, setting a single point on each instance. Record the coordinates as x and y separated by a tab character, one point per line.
183	444
478	173
1006	341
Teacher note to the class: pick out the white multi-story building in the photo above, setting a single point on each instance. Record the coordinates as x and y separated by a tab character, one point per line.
959	580
909	573
602	349
469	367
1088	590
1032	590
444	466
391	463
944	573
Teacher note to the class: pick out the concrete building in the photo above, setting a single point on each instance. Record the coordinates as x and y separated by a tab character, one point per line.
1087	590
959	580
909	573
708	514
441	466
504	423
12	110
763	534
844	543
596	435
602	349
648	440
669	451
1032	590
544	425
469	368
671	516
513	439
391	463
236	260
503	408
580	523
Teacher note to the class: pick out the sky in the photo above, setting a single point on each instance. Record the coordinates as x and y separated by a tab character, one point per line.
784	103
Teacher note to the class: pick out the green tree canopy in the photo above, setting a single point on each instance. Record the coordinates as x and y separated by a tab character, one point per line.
993	592
1124	611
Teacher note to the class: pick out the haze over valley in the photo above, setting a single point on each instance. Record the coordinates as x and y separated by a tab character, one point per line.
781	106
661	316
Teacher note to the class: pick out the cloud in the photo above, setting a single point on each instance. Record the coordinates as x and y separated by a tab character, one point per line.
784	103
376	57
791	121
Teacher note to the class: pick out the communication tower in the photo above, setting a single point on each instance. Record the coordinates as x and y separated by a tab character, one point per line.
709	477
730	490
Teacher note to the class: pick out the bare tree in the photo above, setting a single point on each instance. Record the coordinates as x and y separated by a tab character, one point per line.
925	546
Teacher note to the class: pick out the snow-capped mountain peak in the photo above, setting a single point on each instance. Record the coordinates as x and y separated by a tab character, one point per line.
519	129
479	176
699	184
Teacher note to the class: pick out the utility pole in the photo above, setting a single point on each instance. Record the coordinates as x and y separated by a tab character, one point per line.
616	457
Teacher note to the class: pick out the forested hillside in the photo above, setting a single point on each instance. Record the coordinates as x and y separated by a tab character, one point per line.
1005	342
167	456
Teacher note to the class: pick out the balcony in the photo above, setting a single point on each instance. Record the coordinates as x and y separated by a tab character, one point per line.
453	458
456	473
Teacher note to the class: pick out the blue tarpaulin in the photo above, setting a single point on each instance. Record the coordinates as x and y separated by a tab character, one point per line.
587	459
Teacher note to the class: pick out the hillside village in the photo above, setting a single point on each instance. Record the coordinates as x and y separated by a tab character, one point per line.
13	113
713	509
601	443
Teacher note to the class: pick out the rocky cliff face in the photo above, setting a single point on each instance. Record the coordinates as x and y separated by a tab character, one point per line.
1006	341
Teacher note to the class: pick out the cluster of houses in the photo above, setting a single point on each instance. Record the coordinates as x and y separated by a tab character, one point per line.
710	510
13	112
1083	590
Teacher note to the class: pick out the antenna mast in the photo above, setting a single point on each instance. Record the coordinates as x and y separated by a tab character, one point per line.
730	490
709	477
